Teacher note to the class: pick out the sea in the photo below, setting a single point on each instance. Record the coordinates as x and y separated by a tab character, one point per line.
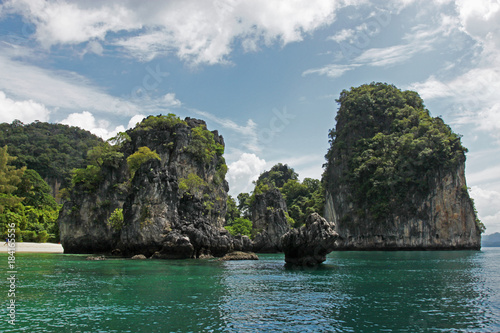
427	291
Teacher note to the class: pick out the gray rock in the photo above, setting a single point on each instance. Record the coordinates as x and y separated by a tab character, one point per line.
309	245
239	255
269	221
139	257
96	258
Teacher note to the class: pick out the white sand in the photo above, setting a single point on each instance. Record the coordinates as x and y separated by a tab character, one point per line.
34	247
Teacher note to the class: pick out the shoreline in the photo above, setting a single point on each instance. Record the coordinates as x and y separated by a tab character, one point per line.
29	247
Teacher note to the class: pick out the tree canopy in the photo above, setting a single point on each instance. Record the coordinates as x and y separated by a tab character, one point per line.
25	200
53	150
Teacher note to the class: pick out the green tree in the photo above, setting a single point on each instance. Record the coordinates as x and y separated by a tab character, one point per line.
26	201
35	191
277	176
232	212
192	185
203	145
244	204
53	150
142	155
116	219
241	226
89	178
104	154
10	177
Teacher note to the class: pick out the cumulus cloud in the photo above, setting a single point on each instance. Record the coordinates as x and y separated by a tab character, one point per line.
73	23
197	31
481	20
170	100
86	120
26	111
135	120
242	172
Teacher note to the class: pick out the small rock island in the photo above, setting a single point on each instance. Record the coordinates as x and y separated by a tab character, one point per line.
395	176
159	190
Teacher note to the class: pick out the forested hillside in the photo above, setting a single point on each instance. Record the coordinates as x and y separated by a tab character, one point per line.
53	150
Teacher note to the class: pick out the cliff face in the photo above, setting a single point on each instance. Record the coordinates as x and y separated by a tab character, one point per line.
269	217
395	176
174	204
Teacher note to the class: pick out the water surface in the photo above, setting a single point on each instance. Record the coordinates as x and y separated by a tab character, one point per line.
445	291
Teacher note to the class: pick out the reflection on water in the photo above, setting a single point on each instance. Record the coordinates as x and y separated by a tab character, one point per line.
351	292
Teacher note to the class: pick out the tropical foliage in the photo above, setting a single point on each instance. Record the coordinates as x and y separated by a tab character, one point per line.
25	200
240	226
53	150
142	155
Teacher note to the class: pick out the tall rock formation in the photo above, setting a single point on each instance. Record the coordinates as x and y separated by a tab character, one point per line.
270	222
395	176
173	203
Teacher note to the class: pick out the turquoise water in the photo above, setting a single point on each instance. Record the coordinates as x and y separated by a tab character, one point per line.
351	292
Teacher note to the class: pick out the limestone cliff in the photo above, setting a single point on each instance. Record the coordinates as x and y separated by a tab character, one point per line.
270	223
173	204
395	176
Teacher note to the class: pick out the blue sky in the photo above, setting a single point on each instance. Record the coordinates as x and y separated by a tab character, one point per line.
264	73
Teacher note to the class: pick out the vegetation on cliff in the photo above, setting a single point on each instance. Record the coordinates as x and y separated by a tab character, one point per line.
302	198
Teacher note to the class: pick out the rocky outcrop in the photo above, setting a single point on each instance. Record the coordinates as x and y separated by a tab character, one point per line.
309	245
173	205
395	177
238	255
270	223
139	257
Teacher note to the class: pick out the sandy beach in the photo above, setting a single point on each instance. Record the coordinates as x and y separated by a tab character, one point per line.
34	247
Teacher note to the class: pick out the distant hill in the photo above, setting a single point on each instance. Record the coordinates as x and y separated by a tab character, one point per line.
53	150
492	240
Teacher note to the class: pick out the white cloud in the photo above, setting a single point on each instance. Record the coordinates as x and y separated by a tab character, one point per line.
332	70
247	134
242	172
485	175
93	47
56	89
26	111
86	120
170	100
481	20
474	96
73	23
197	31
487	206
135	120
343	35
474	93
393	54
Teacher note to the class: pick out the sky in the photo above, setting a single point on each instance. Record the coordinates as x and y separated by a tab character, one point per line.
264	73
